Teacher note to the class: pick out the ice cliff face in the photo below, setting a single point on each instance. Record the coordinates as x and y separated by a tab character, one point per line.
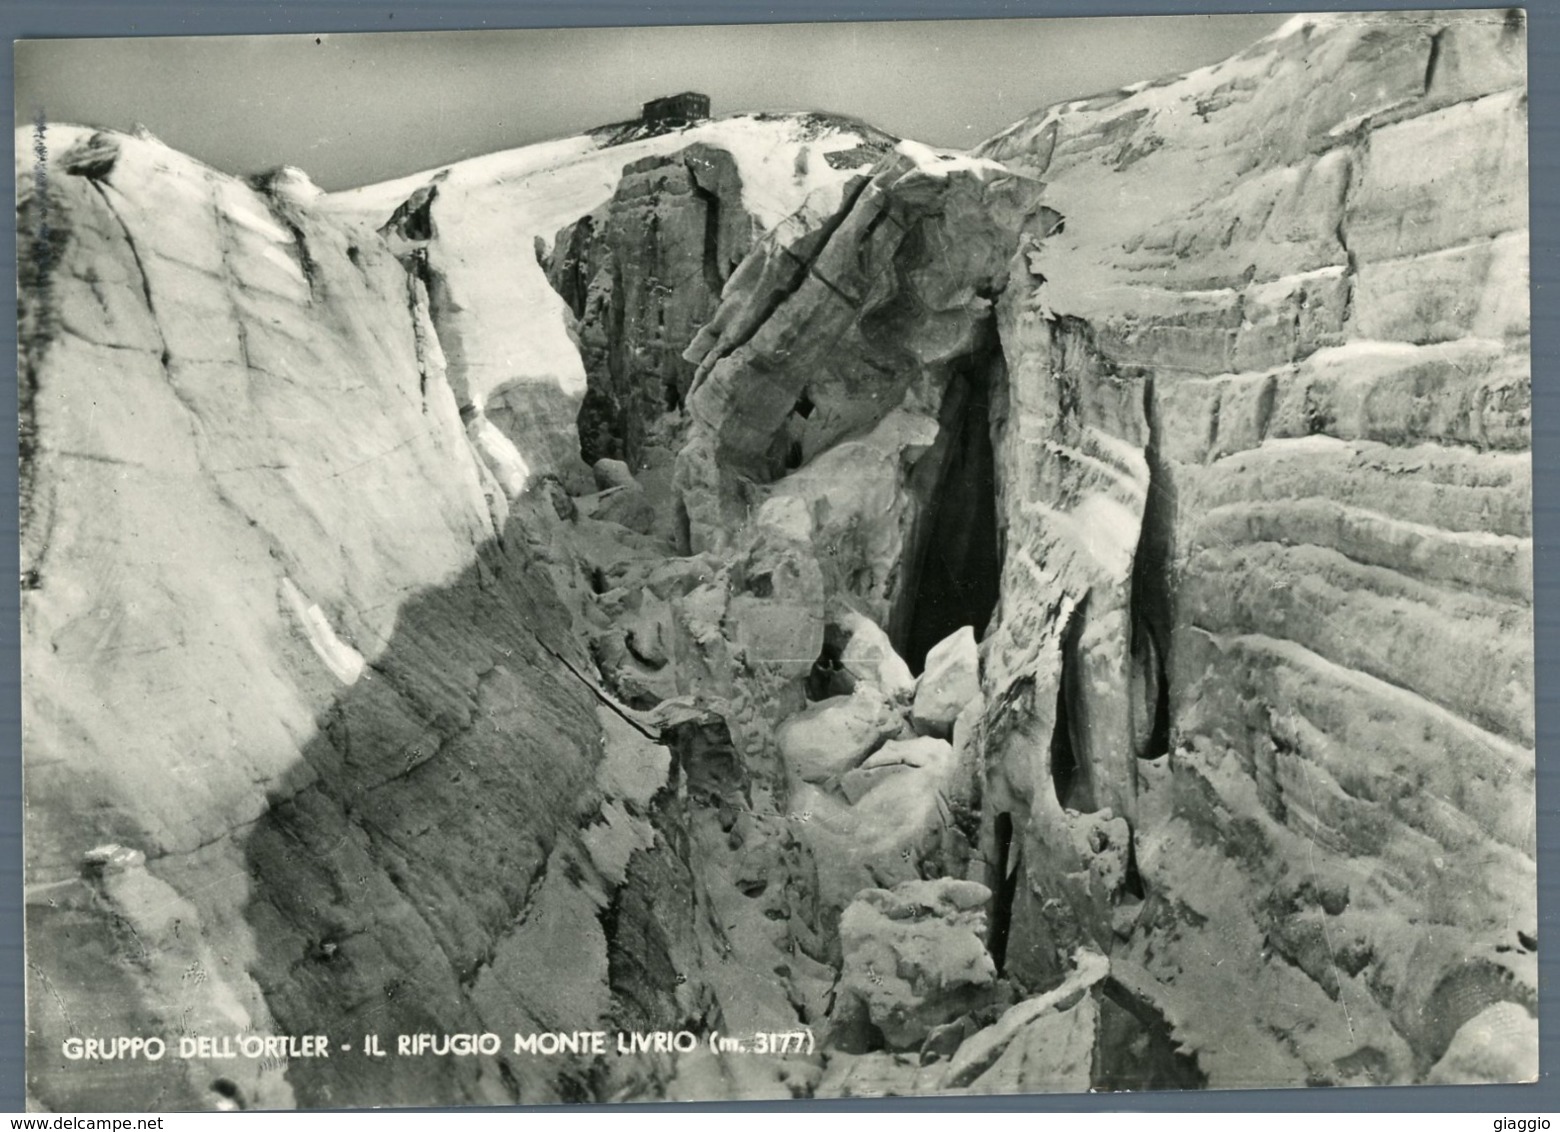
249	490
1047	618
1296	296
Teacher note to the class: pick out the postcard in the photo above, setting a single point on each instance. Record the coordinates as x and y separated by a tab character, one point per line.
777	562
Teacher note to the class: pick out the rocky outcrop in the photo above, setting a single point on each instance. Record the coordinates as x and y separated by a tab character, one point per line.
866	653
1045	1044
483	232
915	959
641	276
833	736
824	370
1055	1031
951	680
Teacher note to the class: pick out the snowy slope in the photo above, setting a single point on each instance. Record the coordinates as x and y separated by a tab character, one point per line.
1316	254
501	324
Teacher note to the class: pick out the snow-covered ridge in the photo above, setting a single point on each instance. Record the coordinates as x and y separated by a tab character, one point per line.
501	332
939	164
555	182
508	335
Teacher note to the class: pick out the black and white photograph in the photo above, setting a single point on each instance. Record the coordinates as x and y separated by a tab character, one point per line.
776	562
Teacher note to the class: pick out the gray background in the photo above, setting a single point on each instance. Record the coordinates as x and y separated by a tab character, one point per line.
274	106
